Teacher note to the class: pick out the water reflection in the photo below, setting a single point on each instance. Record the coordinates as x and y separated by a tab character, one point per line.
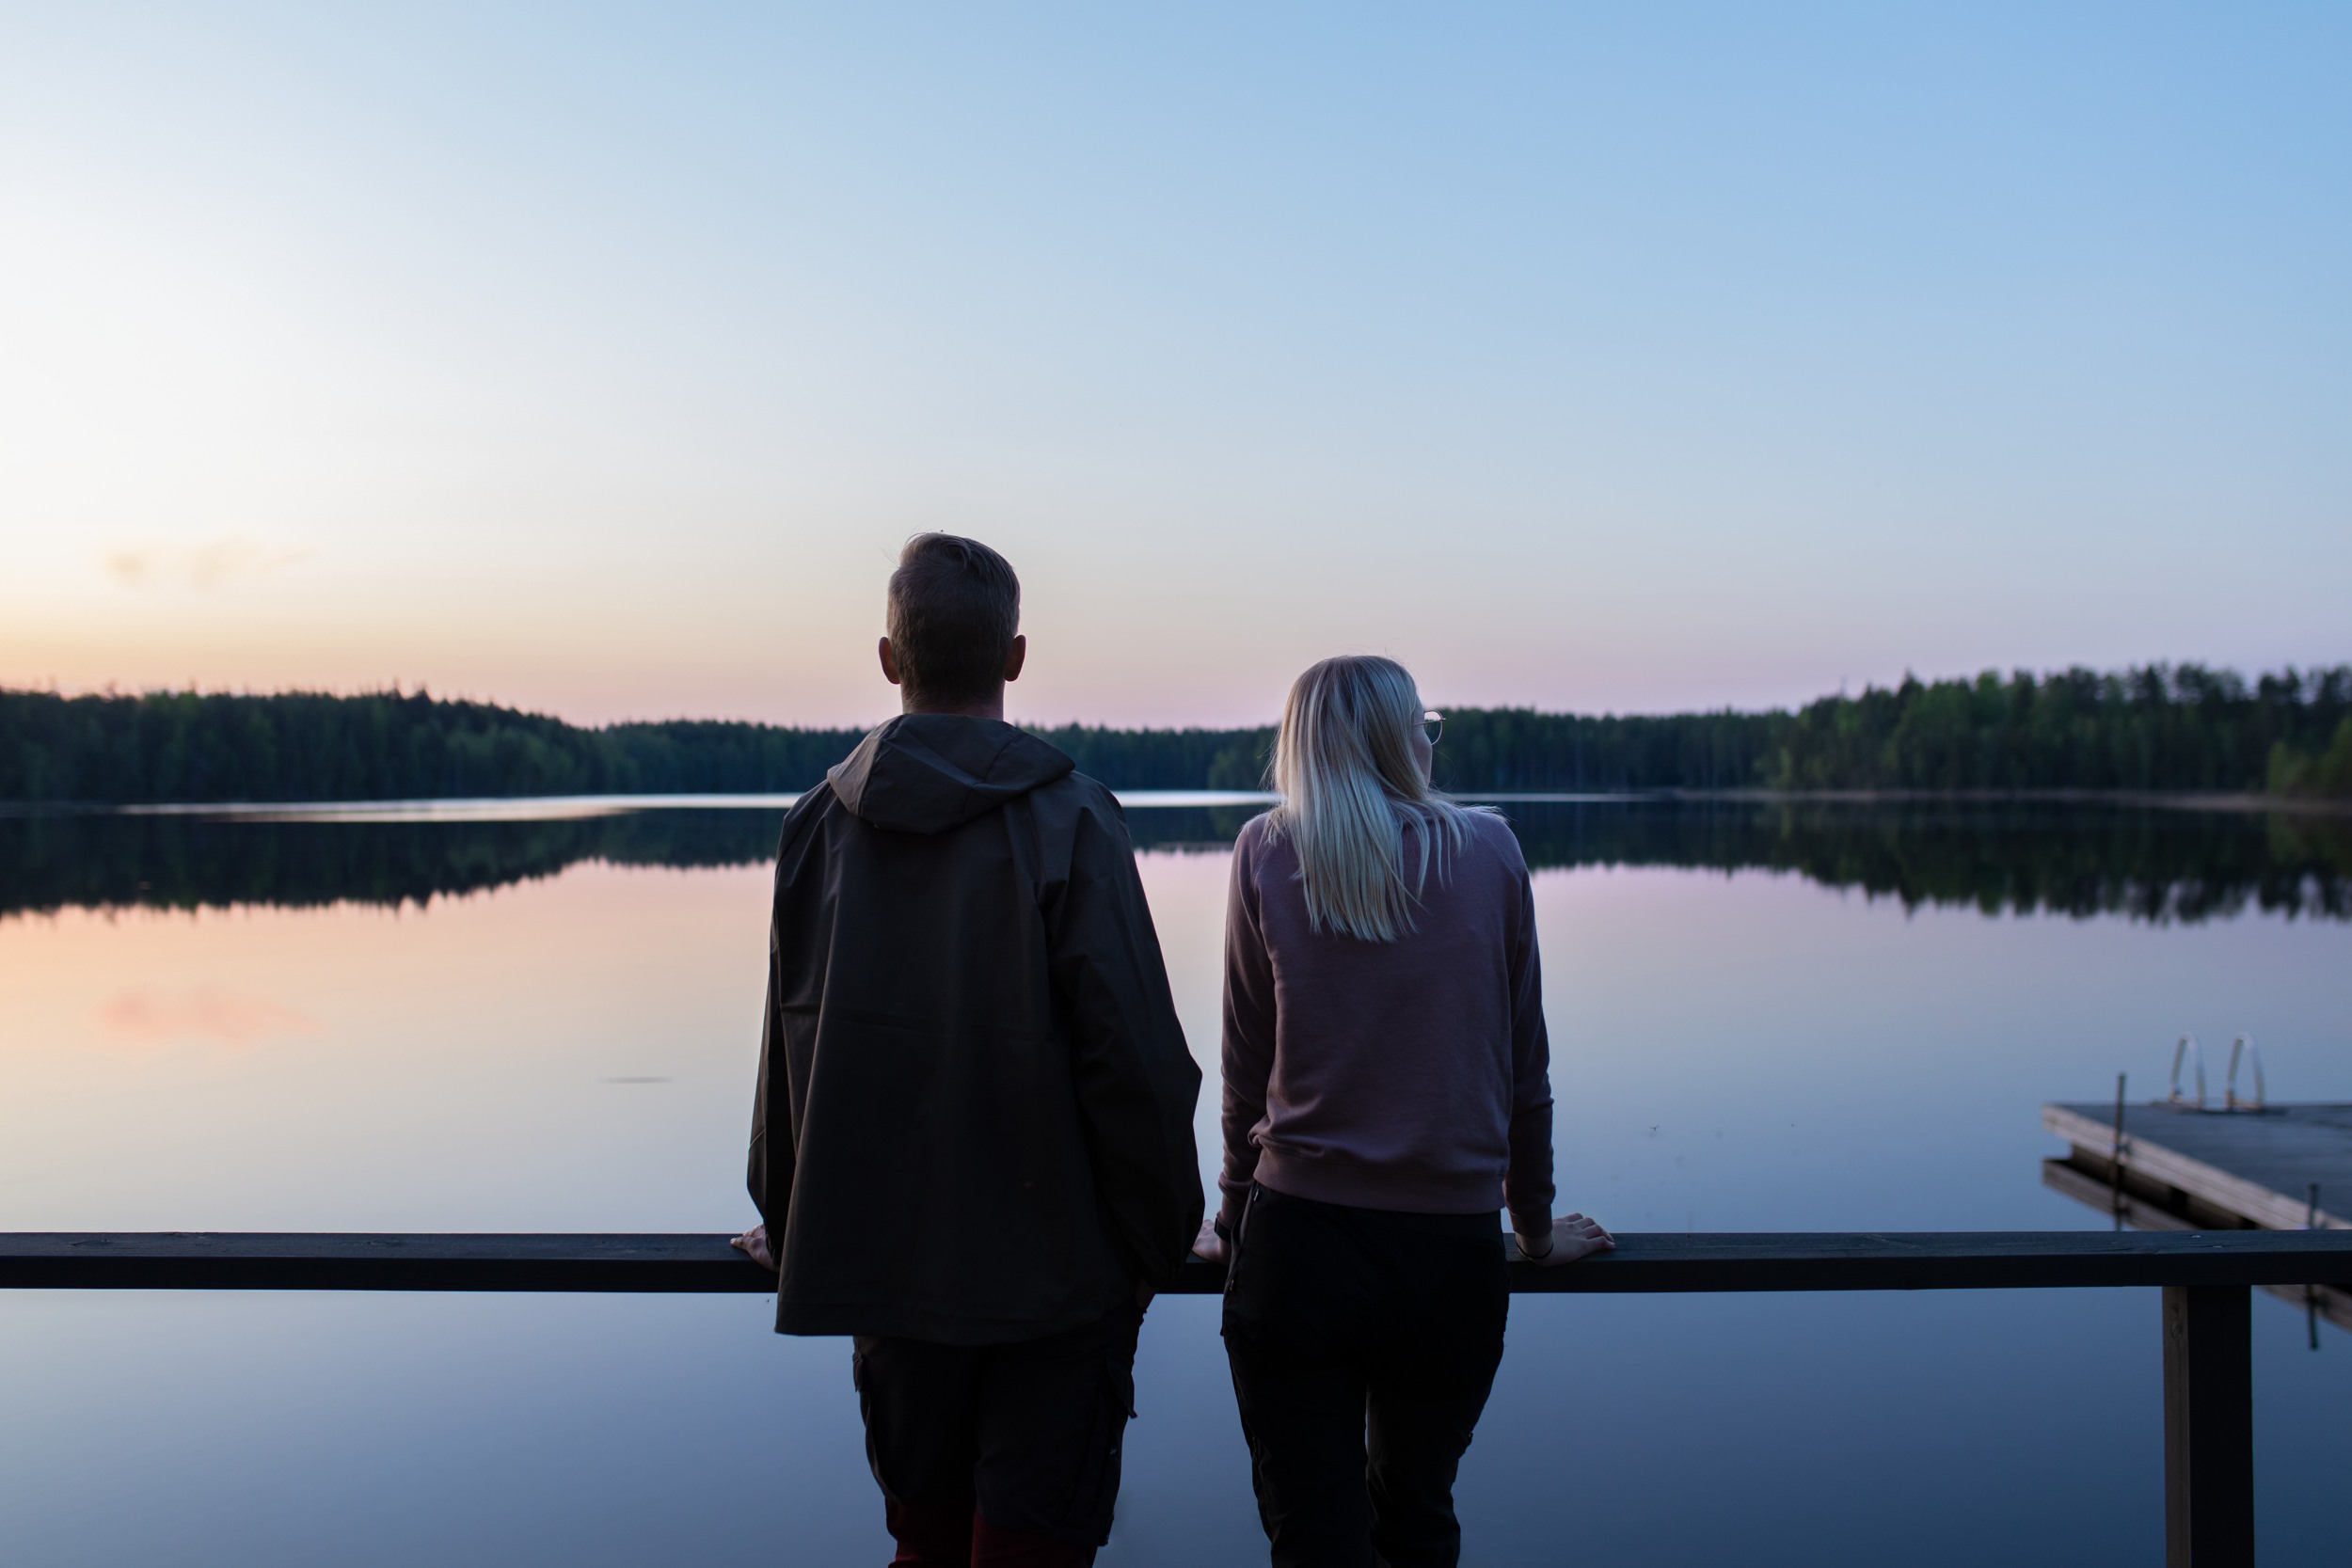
1730	1052
106	861
2155	863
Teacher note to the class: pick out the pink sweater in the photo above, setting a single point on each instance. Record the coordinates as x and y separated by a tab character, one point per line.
1410	1075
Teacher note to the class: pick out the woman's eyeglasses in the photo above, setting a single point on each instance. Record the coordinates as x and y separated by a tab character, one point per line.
1433	725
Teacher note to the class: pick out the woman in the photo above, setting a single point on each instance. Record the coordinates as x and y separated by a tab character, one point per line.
1387	1089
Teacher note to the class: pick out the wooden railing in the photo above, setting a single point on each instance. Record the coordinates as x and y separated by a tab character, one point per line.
2206	1277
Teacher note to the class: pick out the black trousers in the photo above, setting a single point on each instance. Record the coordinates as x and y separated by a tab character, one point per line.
1024	1436
1363	1344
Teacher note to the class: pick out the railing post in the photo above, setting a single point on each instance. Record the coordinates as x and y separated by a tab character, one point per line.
2208	1427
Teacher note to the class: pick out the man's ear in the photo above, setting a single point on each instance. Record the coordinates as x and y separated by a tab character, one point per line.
1015	657
889	662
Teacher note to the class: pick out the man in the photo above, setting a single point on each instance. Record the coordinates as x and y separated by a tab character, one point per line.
972	1147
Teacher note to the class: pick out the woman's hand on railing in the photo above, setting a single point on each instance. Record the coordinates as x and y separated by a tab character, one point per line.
1572	1237
1209	1246
754	1243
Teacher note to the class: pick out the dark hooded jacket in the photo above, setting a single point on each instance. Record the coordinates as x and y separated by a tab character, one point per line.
975	1109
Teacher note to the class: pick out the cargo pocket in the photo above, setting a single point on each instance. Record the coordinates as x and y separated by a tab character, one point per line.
1096	1495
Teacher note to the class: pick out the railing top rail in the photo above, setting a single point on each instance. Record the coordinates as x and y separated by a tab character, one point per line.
1656	1262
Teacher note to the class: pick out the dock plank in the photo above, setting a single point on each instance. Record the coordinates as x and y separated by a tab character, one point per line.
2258	1165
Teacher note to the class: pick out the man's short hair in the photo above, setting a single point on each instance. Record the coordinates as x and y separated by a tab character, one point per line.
955	607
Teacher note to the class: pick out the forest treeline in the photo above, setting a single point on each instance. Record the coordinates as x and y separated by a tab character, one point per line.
168	746
2159	728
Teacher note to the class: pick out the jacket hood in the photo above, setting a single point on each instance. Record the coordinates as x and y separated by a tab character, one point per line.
927	773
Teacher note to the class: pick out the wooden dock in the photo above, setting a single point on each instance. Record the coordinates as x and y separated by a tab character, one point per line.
2177	1167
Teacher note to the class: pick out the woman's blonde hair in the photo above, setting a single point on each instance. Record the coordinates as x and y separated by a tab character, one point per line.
1350	784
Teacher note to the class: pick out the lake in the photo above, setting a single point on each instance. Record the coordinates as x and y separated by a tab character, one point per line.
1828	1016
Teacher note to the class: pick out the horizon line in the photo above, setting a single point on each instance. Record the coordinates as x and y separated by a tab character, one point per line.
2302	678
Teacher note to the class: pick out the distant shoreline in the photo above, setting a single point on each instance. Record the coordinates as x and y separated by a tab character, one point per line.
494	808
2166	735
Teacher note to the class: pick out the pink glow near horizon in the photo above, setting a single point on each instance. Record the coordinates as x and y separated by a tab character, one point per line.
1581	361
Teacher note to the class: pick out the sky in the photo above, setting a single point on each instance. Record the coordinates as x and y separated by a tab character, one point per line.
1584	357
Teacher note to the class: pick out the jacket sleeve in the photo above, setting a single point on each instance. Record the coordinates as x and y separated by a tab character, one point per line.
771	1179
772	1156
1136	1081
1249	1047
1527	1186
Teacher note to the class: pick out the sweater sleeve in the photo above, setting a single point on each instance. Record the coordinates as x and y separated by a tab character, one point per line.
1527	1185
1249	1028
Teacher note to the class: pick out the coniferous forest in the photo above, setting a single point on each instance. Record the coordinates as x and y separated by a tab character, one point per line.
2159	728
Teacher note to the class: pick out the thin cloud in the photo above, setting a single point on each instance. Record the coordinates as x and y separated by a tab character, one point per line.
204	565
130	566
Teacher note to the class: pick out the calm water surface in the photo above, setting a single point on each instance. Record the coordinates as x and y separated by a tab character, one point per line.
1762	1019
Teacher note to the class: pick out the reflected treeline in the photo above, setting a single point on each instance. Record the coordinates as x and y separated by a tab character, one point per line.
97	861
2146	863
2151	863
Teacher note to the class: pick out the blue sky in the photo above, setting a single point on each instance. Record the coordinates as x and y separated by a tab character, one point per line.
1579	356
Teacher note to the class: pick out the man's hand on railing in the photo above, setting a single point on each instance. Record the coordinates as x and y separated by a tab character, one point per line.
1572	1237
1209	1246
754	1242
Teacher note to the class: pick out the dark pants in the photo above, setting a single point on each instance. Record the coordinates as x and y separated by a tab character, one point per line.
1342	1324
1000	1454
